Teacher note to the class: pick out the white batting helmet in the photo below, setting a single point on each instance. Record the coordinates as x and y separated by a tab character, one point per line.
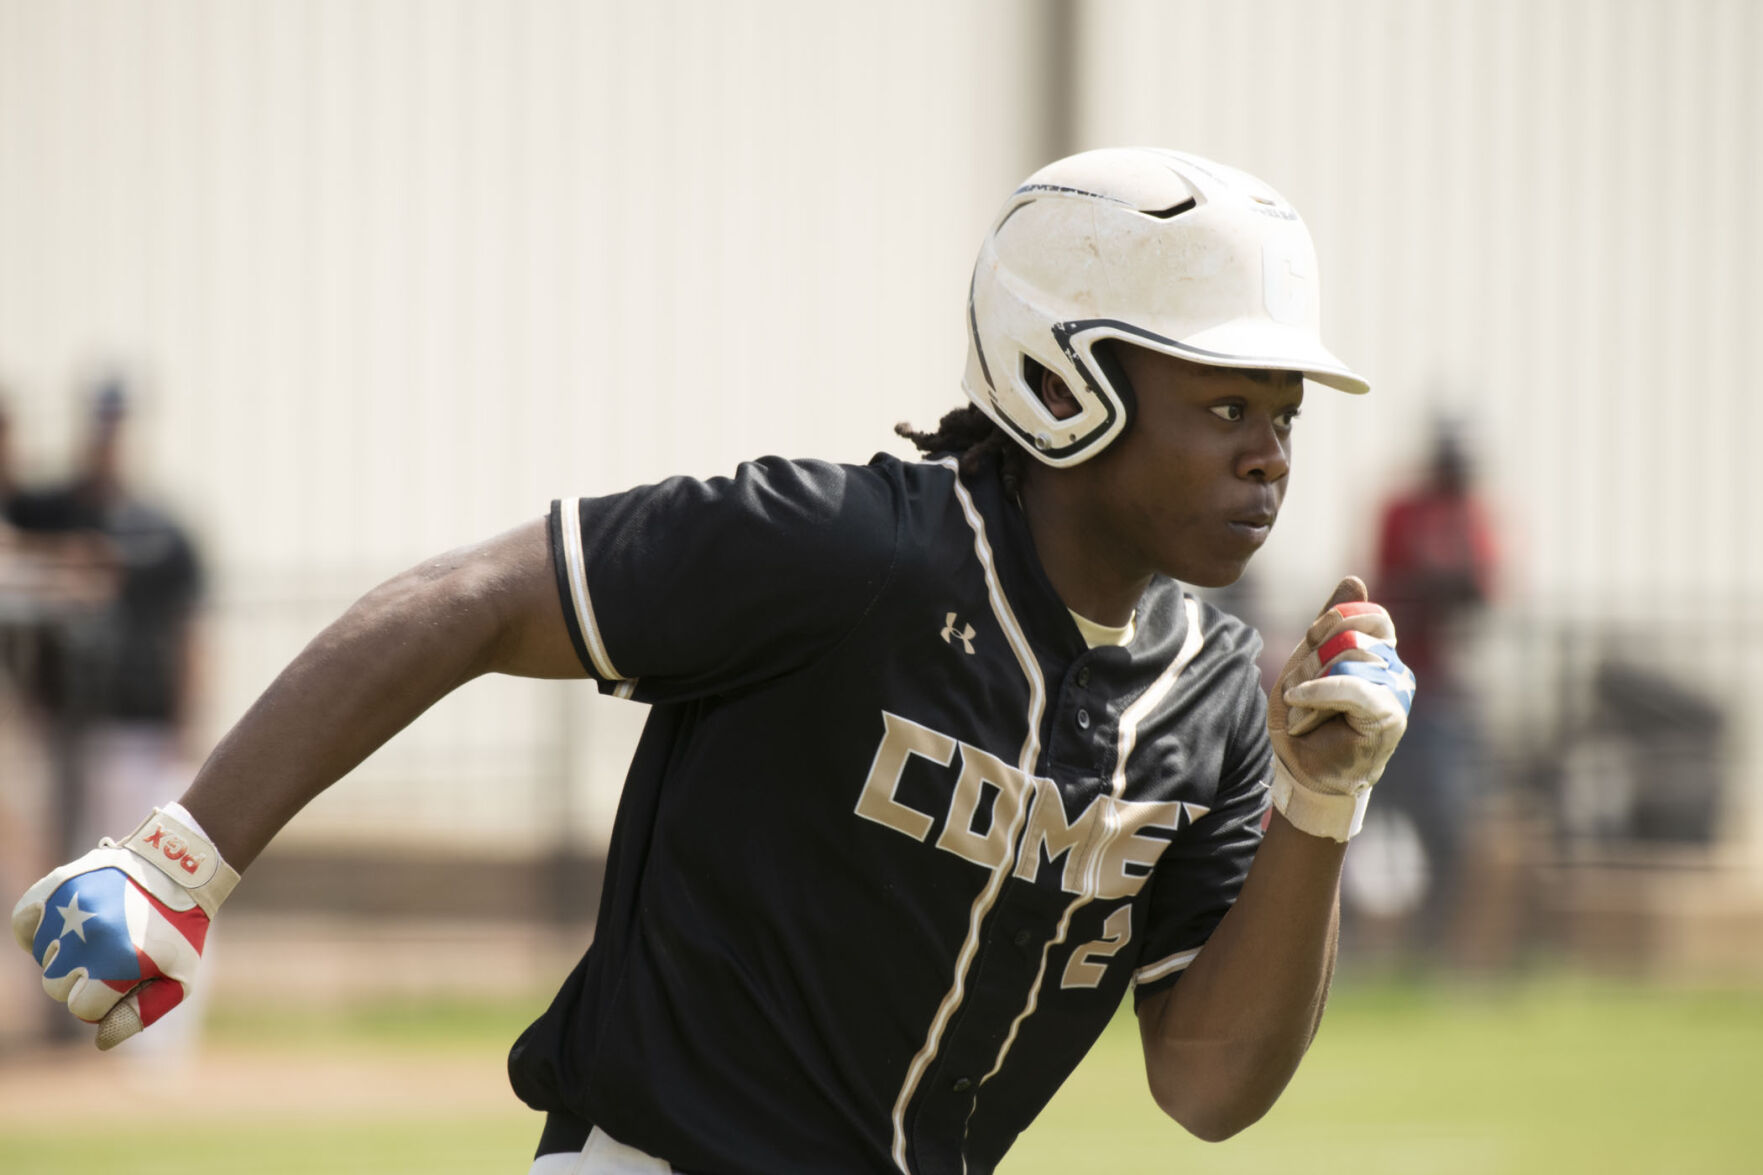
1157	248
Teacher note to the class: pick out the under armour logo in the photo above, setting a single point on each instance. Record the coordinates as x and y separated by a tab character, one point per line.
951	634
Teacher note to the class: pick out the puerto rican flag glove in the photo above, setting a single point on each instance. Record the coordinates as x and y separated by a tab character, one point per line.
1336	714
119	932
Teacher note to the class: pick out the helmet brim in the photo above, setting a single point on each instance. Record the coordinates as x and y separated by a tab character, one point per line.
1263	346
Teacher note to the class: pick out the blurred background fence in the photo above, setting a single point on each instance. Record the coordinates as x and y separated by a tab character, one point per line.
383	277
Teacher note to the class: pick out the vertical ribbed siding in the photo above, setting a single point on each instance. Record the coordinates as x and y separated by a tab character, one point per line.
399	272
520	243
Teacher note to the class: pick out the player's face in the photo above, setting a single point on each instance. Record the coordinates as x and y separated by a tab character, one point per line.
1193	486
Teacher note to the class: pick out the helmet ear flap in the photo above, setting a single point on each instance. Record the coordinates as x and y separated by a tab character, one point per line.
1108	371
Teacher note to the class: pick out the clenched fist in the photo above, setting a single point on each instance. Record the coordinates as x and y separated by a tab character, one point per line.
1336	714
119	932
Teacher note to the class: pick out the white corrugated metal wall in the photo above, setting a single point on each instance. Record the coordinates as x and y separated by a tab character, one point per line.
395	273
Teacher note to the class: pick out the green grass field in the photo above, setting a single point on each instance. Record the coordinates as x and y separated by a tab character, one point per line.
1547	1076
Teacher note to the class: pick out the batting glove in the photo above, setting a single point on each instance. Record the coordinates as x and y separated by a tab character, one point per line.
119	932
1336	714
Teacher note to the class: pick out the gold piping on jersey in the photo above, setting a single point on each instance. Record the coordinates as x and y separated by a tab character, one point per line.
1031	749
576	565
1157	970
1147	701
1128	738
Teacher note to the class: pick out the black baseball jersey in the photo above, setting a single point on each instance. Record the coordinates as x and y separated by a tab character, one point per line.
894	842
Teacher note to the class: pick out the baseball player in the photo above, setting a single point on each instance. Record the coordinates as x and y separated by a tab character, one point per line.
941	759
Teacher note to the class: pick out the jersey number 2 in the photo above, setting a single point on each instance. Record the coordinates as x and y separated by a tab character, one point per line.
1083	970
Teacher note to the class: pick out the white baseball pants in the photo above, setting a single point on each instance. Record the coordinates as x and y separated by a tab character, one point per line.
602	1155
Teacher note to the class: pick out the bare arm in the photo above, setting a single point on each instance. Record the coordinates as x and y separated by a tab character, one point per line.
1221	1045
402	647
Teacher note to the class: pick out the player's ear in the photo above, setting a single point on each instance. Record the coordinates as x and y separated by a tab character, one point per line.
1053	392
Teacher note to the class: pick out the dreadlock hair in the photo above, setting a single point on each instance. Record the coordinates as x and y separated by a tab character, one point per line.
971	436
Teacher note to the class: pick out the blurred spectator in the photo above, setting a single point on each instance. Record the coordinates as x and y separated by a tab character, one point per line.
127	672
1436	561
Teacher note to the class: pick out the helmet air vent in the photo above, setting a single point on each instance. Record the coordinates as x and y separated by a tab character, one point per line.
1173	210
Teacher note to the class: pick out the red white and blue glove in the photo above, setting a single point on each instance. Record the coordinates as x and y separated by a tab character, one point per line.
1336	714
119	932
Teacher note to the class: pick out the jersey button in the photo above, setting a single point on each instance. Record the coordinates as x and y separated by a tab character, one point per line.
962	1084
1083	675
1023	937
1083	719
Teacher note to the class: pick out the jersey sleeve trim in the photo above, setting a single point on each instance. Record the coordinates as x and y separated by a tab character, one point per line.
1152	972
572	585
576	565
554	528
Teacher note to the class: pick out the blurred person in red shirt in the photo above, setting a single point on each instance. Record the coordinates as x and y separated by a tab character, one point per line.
1437	557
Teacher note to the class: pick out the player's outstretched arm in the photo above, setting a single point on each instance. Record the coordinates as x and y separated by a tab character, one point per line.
1222	1043
492	607
119	932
